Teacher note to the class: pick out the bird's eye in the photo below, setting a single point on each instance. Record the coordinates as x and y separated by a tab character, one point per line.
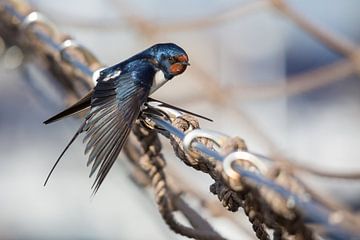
172	60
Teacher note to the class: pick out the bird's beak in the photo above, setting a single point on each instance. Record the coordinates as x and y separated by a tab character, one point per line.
185	63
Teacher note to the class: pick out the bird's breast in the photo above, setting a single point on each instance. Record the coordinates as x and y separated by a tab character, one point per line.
158	81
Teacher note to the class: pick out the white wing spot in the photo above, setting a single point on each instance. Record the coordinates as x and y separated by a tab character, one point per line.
112	75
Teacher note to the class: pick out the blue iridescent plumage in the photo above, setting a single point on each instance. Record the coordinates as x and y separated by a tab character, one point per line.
115	104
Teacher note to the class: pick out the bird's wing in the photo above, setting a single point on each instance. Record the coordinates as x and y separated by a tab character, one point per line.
115	106
80	105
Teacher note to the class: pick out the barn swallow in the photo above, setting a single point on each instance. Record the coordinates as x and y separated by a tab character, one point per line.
116	101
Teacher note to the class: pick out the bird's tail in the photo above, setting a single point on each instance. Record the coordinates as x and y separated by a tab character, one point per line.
63	152
180	109
81	105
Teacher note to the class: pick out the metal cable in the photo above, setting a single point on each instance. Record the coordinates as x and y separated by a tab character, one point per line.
241	179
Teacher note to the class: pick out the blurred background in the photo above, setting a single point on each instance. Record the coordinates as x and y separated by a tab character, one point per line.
254	71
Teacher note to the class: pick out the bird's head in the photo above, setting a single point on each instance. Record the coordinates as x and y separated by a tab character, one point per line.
171	59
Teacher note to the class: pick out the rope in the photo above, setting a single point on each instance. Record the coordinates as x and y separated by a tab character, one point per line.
274	200
153	163
247	198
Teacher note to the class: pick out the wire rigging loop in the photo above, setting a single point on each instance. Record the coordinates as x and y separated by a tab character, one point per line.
71	43
147	121
84	64
154	108
242	157
38	18
193	135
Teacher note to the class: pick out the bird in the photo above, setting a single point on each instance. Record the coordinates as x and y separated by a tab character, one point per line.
115	103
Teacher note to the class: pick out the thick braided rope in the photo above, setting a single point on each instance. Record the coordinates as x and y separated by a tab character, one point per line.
153	163
264	201
230	199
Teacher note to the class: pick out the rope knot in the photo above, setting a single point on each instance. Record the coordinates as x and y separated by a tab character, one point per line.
229	199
